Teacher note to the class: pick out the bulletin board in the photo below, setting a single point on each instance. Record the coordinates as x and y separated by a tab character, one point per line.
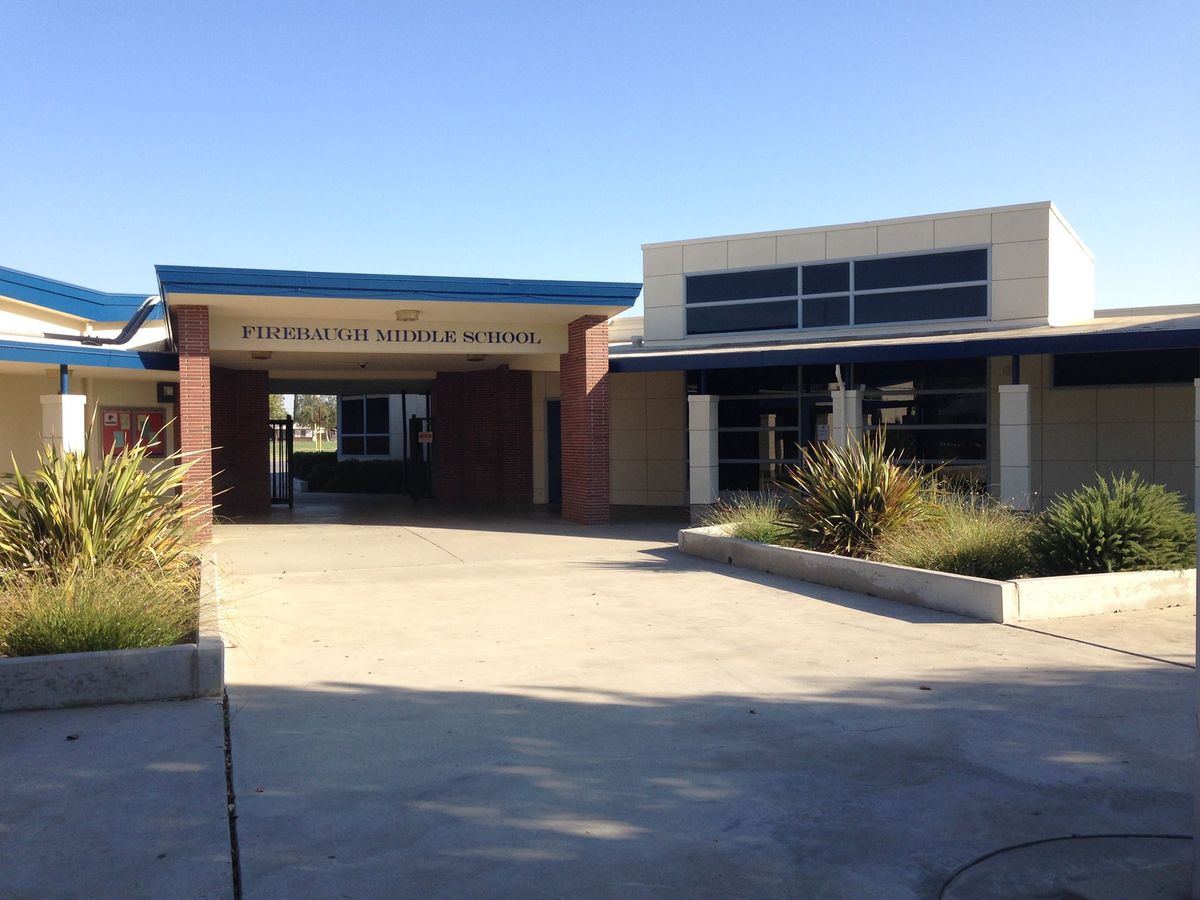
129	426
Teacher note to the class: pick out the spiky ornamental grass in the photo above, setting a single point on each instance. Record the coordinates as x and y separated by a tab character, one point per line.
104	608
128	512
751	517
1120	524
968	535
844	499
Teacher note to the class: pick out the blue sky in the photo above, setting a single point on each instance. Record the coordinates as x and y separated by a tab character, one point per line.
549	140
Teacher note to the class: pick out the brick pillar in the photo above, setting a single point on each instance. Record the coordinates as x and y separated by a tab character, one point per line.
240	412
195	406
483	437
583	374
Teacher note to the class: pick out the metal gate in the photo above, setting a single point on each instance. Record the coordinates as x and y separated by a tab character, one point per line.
281	460
419	467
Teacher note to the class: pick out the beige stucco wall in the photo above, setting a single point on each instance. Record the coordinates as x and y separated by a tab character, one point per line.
1081	431
21	416
21	408
648	438
1041	271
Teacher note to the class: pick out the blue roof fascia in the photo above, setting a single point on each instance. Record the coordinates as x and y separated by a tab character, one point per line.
96	306
1179	339
278	283
77	355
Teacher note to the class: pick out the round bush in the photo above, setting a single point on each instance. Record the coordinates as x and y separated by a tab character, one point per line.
1121	524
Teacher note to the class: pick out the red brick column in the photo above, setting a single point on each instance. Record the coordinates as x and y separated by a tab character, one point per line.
195	406
483	437
240	413
583	374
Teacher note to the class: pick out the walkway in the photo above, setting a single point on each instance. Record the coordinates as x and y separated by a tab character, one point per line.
455	707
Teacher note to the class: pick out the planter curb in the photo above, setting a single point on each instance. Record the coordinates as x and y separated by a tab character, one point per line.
977	598
179	672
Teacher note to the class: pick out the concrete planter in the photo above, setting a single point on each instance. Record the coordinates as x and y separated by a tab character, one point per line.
179	672
978	598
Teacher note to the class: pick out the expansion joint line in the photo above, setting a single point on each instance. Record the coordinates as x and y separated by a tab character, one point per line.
235	860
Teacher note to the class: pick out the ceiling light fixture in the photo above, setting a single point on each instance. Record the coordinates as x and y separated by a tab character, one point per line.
407	315
260	354
476	357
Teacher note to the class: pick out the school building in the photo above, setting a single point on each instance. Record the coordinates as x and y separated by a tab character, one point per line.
970	336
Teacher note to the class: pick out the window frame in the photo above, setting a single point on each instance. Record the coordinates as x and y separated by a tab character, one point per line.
801	296
364	435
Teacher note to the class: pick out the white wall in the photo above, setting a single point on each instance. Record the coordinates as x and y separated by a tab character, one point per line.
1030	245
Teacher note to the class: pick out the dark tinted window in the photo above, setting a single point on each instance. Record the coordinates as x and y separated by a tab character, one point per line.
352	446
827	279
928	268
928	409
826	311
742	317
939	444
378	446
737	413
1126	367
352	417
923	375
377	415
757	445
910	306
741	285
755	380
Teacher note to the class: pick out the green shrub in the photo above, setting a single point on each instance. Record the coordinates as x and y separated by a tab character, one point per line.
1121	524
845	498
304	461
103	608
128	512
967	535
358	476
751	517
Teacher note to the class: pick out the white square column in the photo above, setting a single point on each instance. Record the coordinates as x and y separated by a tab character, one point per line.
1016	446
846	419
703	484
63	425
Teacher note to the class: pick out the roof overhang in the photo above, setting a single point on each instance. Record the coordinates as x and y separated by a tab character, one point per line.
274	292
91	357
81	302
1100	335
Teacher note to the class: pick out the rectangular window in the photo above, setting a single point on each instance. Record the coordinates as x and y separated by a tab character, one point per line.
822	312
915	306
365	426
828	278
763	283
742	317
925	268
1126	367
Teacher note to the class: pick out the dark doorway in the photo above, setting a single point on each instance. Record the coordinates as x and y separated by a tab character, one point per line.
554	451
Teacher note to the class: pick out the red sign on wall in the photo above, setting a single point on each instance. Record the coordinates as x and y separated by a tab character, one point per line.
125	427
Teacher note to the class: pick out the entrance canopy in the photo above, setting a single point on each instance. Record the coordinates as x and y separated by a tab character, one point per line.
330	326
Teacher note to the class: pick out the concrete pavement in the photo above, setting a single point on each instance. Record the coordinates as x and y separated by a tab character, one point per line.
458	708
114	802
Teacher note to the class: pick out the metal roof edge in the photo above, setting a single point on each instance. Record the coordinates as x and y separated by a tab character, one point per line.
64	297
77	355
